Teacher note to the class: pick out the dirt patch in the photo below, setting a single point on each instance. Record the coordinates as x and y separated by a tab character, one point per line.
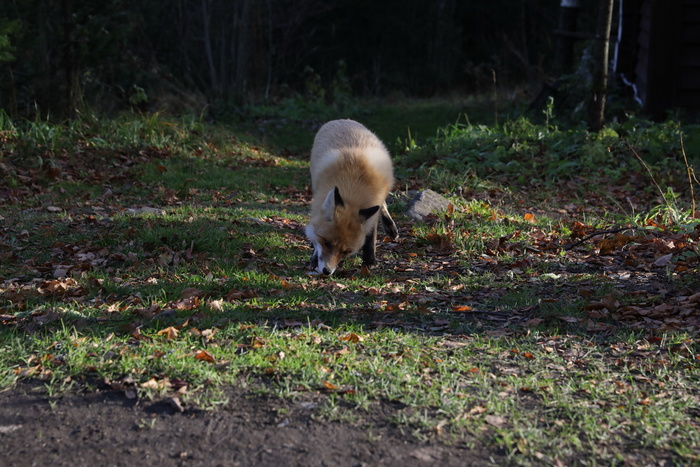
106	428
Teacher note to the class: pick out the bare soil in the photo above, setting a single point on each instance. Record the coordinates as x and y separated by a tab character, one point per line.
104	427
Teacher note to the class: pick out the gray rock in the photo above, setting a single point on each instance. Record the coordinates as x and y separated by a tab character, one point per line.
426	202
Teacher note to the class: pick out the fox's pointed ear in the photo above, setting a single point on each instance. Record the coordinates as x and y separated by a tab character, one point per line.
368	212
329	204
338	198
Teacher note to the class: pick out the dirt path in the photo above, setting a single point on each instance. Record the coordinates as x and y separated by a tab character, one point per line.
106	428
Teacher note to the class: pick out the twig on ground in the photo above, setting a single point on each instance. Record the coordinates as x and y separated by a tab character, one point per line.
663	196
595	234
691	176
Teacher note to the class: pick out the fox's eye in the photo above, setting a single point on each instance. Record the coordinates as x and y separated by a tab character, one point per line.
327	243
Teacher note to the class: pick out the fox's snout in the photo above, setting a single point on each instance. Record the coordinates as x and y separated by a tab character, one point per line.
329	246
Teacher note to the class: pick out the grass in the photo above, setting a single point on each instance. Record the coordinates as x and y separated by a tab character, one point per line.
478	328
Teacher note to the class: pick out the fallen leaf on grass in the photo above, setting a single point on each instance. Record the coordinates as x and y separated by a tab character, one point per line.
391	307
534	322
608	245
155	384
351	337
330	386
204	356
190	292
258	342
216	305
169	332
495	420
452	344
207	334
26	372
187	303
4	318
461	308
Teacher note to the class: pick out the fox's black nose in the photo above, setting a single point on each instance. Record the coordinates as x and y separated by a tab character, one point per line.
327	271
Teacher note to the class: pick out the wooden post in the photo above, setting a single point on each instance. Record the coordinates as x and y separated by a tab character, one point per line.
596	108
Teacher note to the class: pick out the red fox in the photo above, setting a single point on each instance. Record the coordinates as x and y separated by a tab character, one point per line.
351	175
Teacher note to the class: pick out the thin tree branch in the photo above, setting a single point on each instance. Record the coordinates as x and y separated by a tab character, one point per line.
595	234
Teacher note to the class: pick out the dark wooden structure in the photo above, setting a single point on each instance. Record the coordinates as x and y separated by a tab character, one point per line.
658	54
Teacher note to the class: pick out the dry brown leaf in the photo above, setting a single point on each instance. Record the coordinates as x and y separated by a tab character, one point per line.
534	322
258	342
330	386
190	292
495	420
351	337
216	305
187	303
169	332
204	356
153	384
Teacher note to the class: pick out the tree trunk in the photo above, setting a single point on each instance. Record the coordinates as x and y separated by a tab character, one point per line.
596	109
242	51
206	22
69	66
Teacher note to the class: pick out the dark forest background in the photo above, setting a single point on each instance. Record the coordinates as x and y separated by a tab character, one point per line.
59	56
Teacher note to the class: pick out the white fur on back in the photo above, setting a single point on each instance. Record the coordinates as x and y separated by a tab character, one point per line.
340	137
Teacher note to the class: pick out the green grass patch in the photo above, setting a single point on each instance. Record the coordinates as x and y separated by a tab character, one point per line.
540	317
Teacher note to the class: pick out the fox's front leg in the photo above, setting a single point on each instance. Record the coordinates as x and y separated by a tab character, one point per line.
313	262
369	248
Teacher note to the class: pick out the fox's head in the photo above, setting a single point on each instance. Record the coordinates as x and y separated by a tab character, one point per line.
339	230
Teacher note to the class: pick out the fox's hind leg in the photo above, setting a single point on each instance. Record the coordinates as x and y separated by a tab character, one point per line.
388	223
